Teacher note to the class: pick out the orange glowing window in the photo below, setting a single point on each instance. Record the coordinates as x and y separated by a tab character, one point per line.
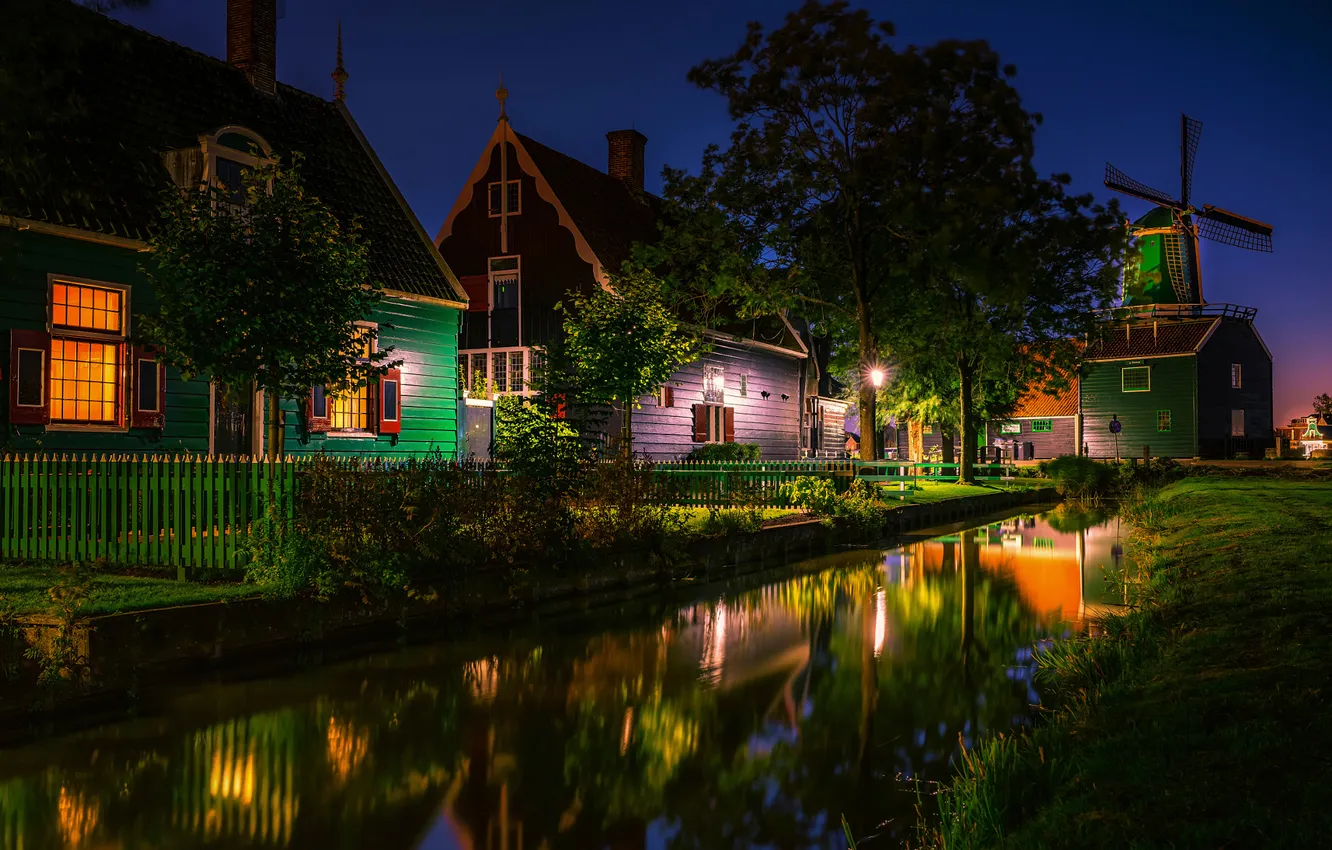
85	381
88	308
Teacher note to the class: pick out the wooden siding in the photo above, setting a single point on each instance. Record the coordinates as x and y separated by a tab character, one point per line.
550	265
425	334
1045	444
1173	385
425	338
667	433
1234	341
833	436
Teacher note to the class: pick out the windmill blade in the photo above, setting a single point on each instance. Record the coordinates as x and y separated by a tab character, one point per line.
1229	228
1191	132
1121	182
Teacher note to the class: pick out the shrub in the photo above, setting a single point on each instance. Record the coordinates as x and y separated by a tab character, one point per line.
816	495
534	444
861	510
725	521
616	508
725	452
1079	477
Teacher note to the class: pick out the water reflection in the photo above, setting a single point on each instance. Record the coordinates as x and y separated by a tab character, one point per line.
751	718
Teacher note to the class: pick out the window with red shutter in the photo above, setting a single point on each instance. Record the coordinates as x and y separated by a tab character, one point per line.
390	402
318	410
148	393
561	408
700	423
29	378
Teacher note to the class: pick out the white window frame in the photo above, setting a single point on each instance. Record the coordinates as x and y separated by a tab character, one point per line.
1236	376
1243	432
515	210
714	383
1123	373
489	359
1010	427
517	272
124	379
213	149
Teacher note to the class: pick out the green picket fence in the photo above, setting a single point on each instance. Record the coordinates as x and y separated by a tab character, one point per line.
187	511
712	484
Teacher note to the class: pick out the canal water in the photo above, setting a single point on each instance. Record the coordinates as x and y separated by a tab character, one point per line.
754	715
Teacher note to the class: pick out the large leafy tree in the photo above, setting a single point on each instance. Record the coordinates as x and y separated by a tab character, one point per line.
267	290
841	144
1322	404
620	343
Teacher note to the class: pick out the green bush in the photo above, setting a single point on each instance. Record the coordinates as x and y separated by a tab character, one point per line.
725	453
1079	477
534	444
816	495
726	521
860	510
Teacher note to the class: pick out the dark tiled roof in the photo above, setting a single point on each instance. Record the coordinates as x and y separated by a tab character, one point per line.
1149	339
1036	403
145	96
610	215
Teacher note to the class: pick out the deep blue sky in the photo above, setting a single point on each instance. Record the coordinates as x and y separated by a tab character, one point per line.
1110	78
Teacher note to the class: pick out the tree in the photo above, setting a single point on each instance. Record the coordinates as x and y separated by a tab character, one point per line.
267	291
1322	404
622	343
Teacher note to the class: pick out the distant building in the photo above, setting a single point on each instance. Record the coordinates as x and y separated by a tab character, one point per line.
1042	426
1317	436
558	226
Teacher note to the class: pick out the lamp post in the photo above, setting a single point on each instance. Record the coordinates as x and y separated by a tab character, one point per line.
875	434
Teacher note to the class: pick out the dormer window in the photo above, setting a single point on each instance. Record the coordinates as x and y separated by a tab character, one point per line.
228	154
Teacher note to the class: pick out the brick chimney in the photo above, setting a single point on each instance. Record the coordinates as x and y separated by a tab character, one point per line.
252	41
626	157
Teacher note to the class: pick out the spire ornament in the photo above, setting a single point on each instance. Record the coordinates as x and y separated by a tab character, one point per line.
339	74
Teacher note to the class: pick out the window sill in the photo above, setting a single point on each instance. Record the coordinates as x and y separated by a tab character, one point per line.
351	435
74	426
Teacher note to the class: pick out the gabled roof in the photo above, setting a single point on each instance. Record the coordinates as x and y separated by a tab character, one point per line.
1035	403
1151	339
145	96
610	215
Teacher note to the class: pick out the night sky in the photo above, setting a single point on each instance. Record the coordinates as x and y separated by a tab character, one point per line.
1110	78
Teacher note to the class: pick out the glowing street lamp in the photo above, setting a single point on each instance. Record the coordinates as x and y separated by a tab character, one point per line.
876	377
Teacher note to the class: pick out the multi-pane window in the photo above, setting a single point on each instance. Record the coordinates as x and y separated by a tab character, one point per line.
515	198
85	381
517	381
87	347
350	411
1042	426
1163	421
1136	379
714	383
744	386
478	374
505	283
499	362
1235	377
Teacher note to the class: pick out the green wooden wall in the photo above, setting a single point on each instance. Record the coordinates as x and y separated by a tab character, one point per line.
1173	388
425	336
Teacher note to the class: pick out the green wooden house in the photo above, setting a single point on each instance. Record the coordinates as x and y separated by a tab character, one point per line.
1194	381
74	225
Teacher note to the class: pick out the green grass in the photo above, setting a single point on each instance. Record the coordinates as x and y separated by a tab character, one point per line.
1199	720
25	590
939	491
696	518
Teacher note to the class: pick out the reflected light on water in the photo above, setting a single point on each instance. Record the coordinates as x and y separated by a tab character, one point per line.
880	620
78	817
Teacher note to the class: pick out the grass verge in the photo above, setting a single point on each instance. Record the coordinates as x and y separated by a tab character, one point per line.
940	491
26	589
1198	719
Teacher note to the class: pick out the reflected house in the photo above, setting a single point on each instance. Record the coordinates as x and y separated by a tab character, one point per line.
1058	573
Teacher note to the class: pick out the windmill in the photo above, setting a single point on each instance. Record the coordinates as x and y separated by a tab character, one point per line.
1168	235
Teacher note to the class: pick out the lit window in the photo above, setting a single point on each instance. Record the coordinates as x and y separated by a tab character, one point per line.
1235	381
500	372
1042	426
350	411
1136	379
714	384
515	198
1163	421
516	377
744	386
1237	423
480	386
87	345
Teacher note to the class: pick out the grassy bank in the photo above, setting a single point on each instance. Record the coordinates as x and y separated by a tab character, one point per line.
1198	719
27	589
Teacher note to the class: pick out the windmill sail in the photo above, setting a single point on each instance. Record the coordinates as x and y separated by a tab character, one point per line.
1121	182
1228	228
1188	151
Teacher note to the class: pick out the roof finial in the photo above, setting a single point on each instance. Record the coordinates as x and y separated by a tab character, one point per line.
339	73
502	94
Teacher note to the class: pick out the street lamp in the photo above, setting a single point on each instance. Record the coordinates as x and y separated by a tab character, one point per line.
876	377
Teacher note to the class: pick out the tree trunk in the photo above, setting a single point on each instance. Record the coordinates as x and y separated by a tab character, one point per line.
274	425
627	431
869	394
966	474
946	436
968	574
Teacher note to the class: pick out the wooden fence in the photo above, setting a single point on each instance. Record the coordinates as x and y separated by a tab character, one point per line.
180	510
196	512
